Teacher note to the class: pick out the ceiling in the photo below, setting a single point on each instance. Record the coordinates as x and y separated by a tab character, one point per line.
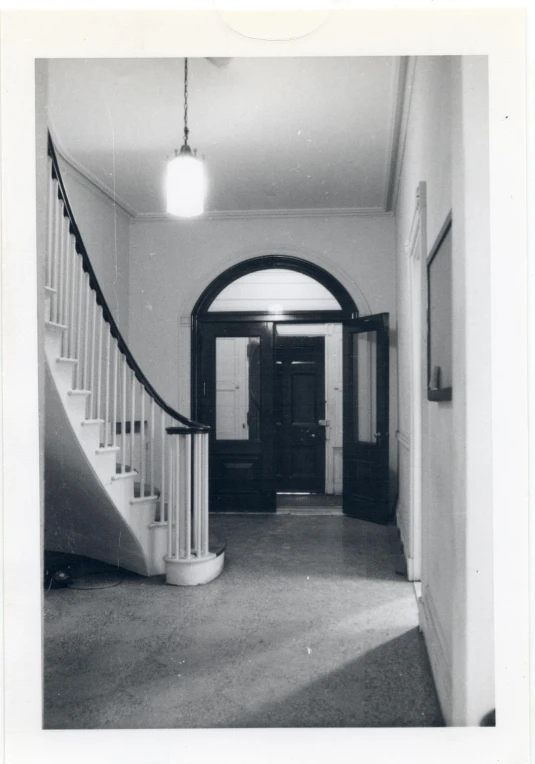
277	133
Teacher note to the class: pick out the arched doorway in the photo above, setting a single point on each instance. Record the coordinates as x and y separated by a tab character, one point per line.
293	385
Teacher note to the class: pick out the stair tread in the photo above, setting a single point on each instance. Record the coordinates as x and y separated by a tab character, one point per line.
54	325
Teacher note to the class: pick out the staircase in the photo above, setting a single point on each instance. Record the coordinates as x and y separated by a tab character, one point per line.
126	476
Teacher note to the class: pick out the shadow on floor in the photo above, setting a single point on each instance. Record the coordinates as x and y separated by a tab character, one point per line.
389	686
308	626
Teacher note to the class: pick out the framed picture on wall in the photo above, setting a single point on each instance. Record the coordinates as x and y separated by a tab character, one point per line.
439	316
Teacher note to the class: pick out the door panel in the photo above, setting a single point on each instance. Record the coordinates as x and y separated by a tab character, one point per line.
299	408
236	399
366	380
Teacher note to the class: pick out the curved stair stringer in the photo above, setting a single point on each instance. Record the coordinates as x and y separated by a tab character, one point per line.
88	511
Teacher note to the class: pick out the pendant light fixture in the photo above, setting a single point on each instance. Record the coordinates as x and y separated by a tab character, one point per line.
186	177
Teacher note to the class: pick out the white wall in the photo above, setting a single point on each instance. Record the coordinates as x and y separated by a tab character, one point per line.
447	148
172	262
104	229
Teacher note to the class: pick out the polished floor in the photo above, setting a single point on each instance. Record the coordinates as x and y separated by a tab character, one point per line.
308	626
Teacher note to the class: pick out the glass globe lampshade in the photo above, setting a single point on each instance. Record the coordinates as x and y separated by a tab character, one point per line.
186	184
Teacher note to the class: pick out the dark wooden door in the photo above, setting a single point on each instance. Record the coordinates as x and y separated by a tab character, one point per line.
299	413
366	373
235	397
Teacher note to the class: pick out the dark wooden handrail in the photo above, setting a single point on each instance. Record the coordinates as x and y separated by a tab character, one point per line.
101	300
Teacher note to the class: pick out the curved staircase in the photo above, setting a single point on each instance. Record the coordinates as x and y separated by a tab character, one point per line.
126	476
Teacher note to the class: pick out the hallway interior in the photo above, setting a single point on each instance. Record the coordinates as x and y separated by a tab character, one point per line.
308	626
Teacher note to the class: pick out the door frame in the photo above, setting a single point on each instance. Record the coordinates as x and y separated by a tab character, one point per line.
416	251
200	314
202	317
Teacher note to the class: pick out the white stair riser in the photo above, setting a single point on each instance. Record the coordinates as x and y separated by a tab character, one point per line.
65	373
52	344
106	461
139	516
120	491
77	408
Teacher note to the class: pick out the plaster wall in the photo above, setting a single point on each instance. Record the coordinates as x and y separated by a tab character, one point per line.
443	140
172	262
104	227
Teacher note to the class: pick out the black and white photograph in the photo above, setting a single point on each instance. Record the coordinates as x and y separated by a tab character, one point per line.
271	393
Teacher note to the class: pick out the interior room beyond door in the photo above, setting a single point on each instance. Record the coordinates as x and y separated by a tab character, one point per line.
299	409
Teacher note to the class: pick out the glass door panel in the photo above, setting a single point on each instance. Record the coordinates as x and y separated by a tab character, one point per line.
366	473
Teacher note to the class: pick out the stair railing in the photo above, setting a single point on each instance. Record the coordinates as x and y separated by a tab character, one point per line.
164	452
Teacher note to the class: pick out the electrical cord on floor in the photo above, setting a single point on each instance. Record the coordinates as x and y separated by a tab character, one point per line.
92	588
62	579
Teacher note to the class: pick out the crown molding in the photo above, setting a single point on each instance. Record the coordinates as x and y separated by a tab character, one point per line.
88	179
341	212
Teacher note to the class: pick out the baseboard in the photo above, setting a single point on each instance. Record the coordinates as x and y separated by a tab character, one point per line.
435	643
405	541
402	525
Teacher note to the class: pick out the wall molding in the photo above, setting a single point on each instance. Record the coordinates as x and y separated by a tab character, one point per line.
331	212
88	179
400	75
403	439
404	123
439	658
104	192
405	538
87	183
416	224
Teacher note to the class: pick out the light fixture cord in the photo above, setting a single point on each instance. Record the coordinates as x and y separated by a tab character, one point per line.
186	131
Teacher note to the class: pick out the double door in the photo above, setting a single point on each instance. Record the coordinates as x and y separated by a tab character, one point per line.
264	399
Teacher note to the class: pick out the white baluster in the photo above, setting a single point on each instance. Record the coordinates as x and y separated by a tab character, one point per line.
65	241
107	377
51	222
151	440
205	506
186	496
100	322
79	313
115	392
55	274
173	464
72	256
162	462
142	441
132	418
92	375
197	492
123	423
88	295
66	268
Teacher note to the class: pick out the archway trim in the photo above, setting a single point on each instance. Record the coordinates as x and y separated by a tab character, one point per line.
349	308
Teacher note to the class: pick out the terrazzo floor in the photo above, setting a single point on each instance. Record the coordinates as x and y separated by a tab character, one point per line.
308	626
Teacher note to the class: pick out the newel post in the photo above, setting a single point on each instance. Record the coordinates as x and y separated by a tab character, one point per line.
189	560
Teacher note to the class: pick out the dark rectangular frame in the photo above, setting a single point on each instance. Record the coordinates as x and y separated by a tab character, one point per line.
441	393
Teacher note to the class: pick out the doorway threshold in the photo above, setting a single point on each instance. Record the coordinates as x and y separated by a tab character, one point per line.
308	504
